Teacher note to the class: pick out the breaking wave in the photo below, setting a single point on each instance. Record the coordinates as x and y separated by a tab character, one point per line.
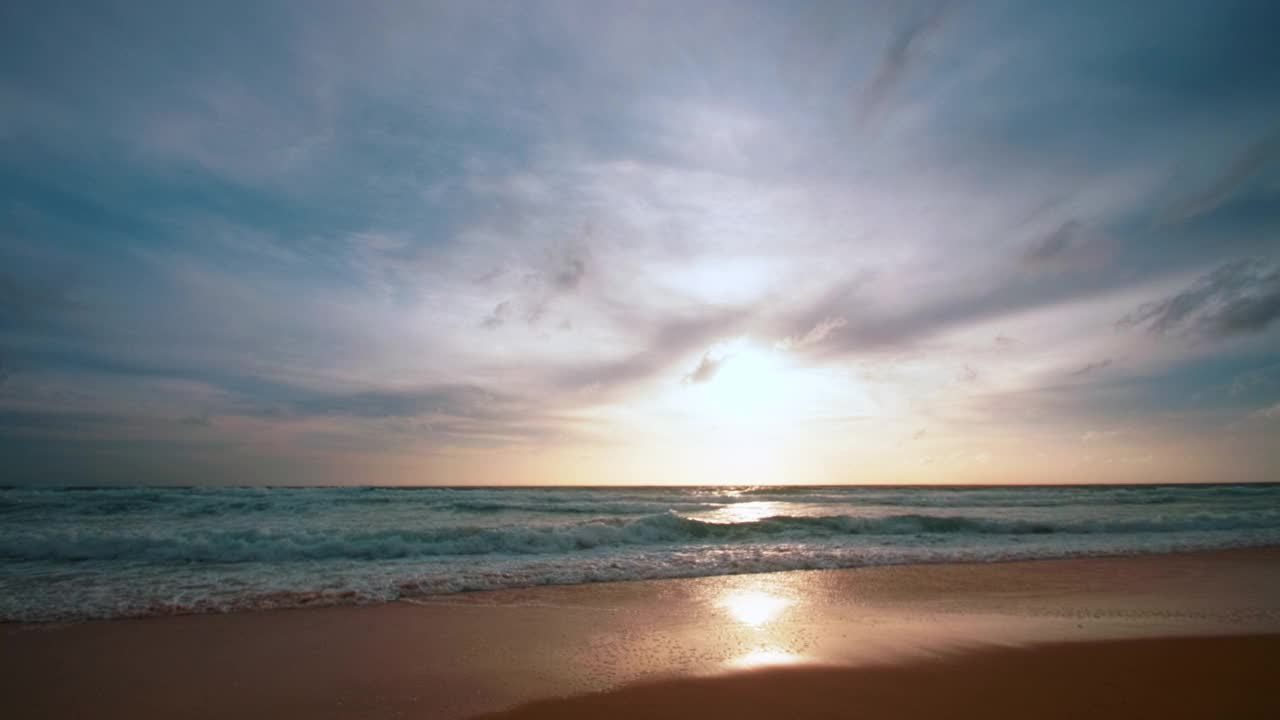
69	554
267	545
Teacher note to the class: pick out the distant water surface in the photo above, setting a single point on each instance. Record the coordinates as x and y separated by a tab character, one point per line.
90	553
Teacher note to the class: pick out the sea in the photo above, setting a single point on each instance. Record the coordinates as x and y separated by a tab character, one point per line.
79	553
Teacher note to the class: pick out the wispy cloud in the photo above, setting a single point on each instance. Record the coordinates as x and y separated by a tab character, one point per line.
1269	413
1090	368
816	334
902	50
1238	298
1248	164
665	343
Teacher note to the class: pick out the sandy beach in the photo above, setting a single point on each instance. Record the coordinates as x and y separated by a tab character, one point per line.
1164	677
1096	633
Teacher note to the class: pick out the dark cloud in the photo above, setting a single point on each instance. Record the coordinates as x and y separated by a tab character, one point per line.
1238	298
564	276
1072	245
706	369
669	340
1243	168
459	400
488	276
899	55
442	416
1249	314
1090	368
568	276
1053	244
496	319
872	328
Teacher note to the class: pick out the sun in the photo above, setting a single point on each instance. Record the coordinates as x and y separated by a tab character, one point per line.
743	411
749	386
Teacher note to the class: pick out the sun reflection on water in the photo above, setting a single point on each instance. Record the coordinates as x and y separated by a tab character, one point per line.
744	512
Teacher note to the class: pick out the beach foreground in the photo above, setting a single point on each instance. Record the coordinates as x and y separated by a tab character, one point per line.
1230	677
1180	635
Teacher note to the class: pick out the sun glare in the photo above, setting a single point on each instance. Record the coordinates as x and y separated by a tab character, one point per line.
744	512
765	658
749	386
754	607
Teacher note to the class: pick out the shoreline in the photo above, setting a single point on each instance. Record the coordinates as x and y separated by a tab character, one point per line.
456	656
321	602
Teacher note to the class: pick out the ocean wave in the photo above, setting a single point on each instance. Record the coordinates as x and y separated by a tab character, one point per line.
143	592
68	553
254	544
214	502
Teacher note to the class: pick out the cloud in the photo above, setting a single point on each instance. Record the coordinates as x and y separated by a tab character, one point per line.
359	232
563	275
458	400
496	319
667	341
428	417
1054	243
1268	413
1071	245
1238	298
902	51
1090	368
1241	170
706	369
932	309
570	272
815	335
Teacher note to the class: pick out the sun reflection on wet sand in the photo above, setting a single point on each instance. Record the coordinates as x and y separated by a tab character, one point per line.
754	607
764	658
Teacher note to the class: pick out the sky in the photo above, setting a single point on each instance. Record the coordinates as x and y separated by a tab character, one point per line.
645	243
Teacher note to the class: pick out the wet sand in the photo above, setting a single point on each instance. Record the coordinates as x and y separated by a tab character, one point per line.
462	655
1229	677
